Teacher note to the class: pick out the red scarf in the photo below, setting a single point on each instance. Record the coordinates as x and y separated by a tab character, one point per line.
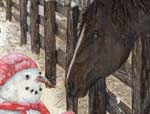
24	107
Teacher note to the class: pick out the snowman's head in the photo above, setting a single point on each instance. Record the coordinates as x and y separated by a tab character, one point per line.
23	87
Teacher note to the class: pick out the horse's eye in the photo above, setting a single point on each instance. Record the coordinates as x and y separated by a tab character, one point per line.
27	77
95	35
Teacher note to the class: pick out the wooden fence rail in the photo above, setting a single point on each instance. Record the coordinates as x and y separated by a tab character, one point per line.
59	41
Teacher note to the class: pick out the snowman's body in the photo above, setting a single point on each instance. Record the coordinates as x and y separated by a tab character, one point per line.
23	87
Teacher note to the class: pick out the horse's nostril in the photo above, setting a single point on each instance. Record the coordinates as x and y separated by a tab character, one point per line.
32	90
70	87
27	88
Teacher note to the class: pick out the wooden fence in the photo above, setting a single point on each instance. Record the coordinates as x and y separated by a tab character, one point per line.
58	41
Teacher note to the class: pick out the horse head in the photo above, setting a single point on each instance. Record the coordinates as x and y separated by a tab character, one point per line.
101	48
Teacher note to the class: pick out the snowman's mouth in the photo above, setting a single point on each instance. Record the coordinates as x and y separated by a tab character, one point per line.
46	82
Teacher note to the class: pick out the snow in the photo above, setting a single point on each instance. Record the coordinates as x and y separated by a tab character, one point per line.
54	99
5	35
73	4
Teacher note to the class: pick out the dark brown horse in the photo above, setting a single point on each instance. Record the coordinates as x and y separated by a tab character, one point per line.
108	32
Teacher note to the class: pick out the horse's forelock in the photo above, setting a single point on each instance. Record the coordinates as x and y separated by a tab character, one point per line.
123	12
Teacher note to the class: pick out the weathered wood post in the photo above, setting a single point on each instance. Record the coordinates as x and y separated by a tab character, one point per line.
97	93
23	21
8	10
97	98
1	3
34	26
50	40
72	21
141	76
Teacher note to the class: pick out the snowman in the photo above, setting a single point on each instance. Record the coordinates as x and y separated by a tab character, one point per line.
21	86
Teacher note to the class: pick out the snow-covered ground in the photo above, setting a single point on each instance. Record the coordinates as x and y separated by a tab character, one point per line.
54	99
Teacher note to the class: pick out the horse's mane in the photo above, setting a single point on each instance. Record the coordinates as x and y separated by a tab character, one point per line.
123	12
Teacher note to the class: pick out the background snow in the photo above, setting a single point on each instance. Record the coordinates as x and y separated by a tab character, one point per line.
7	31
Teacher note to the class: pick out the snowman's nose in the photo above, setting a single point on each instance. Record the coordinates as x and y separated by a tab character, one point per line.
46	82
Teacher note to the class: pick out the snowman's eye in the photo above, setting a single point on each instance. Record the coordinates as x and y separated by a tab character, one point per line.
40	73
27	77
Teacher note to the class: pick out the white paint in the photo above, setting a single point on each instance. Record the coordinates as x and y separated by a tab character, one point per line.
73	4
118	100
75	52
